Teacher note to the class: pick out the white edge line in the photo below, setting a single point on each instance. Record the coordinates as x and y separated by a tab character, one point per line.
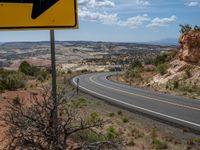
147	97
148	110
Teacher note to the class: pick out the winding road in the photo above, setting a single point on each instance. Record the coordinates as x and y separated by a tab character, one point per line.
171	109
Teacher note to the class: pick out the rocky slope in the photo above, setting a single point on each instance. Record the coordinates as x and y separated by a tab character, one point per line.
183	74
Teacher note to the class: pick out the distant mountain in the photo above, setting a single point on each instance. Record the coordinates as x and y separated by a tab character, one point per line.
167	41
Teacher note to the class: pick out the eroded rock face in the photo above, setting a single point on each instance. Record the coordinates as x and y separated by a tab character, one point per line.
190	47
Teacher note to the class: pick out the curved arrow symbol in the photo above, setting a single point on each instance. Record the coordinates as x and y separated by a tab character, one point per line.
39	6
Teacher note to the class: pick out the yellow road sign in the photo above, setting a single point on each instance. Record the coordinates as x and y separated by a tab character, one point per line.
38	14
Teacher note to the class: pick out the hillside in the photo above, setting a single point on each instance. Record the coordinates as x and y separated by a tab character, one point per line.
176	72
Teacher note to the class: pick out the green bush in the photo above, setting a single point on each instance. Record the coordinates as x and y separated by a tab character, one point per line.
25	68
11	80
16	101
159	145
125	120
111	133
94	117
89	136
162	68
111	114
160	59
84	71
197	140
136	64
176	84
134	73
38	73
119	112
42	75
69	71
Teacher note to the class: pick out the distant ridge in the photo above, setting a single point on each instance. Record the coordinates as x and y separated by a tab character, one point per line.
28	45
167	41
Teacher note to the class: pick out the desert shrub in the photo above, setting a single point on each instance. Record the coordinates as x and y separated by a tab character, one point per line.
197	140
25	68
134	73
119	112
125	120
111	114
35	127
11	80
42	75
162	68
84	71
79	103
93	117
159	145
160	59
134	69
111	133
136	64
136	133
89	136
38	73
69	71
16	100
176	84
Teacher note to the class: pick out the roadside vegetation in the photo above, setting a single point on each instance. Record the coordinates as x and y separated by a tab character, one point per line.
141	72
28	123
36	72
34	128
13	80
113	127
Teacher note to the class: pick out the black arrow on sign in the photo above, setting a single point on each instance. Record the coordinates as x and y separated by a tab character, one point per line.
39	6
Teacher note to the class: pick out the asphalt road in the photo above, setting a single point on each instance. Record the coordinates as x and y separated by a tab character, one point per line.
172	109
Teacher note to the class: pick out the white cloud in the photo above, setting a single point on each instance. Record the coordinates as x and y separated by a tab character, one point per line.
104	18
134	22
96	3
193	3
142	2
160	22
113	19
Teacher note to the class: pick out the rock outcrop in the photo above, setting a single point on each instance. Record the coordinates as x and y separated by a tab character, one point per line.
190	47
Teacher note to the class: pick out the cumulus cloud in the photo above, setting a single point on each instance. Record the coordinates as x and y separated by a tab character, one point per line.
104	18
113	19
193	3
96	3
134	22
160	22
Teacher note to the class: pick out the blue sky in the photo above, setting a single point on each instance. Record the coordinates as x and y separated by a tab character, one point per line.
122	21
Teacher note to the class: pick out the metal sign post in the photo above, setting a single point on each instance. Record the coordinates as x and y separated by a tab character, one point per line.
54	87
77	88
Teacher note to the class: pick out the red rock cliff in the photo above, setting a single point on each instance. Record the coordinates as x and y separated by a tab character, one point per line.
190	47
